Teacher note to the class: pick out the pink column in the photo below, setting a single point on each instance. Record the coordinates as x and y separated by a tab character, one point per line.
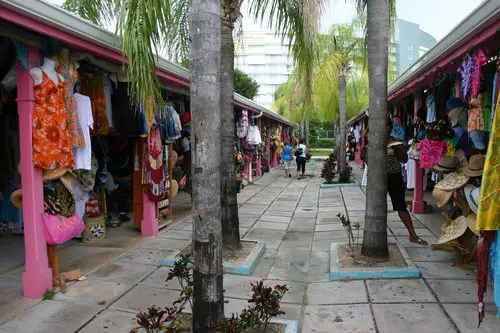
37	278
275	160
149	223
418	192
268	145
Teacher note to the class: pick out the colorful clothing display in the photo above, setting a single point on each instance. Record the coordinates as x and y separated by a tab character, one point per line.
108	91
476	116
70	75
153	166
51	140
93	86
466	69
479	60
430	152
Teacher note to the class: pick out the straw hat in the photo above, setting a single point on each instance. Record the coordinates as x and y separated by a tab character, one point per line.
456	229
475	167
442	197
472	195
174	188
17	198
173	159
452	181
446	164
68	180
54	174
471	223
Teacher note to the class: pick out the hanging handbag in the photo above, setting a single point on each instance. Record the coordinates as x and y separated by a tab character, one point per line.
59	229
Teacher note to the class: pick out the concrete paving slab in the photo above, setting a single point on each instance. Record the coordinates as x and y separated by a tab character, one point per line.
271	226
165	244
297	236
405	242
123	272
298	226
142	297
267	234
50	317
399	291
338	319
286	213
427	254
238	286
411	318
321	245
324	293
465	317
272	218
159	280
175	234
404	232
337	228
145	256
97	292
298	245
442	270
457	291
294	272
184	226
111	321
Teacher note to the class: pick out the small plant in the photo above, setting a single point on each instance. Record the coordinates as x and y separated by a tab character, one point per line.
348	226
160	320
48	295
182	271
328	171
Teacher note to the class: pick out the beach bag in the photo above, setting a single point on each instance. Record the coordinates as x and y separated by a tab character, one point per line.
59	229
299	152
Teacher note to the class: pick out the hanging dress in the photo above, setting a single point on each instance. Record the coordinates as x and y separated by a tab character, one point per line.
154	167
51	140
70	75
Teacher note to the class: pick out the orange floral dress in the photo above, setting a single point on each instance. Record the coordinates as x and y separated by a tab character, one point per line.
51	141
70	75
93	86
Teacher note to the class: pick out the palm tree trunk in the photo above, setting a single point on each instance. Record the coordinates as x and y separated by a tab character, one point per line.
342	129
375	235
307	134
229	201
205	48
302	129
335	140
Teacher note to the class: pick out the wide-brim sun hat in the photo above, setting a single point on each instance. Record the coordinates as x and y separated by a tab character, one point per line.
446	164
67	179
475	166
16	198
442	197
174	188
472	195
452	181
173	159
471	223
456	229
54	173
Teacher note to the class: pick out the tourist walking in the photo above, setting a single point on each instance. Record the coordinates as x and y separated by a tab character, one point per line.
287	157
300	154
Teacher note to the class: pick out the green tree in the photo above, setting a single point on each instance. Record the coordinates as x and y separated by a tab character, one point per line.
245	85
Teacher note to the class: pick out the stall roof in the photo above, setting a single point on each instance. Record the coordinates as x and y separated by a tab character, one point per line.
482	24
59	24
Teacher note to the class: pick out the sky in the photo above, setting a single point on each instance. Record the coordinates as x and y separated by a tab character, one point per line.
436	17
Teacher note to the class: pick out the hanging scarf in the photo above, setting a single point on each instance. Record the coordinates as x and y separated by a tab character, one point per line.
154	167
483	248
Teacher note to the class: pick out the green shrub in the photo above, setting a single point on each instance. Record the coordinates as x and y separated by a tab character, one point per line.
323	143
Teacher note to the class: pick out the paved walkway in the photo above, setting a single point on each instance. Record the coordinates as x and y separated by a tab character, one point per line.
298	221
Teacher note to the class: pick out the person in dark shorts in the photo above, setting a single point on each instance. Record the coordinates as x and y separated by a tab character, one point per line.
396	154
301	159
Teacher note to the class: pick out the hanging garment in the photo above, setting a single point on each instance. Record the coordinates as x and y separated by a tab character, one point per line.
253	136
488	214
93	86
466	69
186	122
483	248
410	174
153	166
51	140
88	177
108	91
479	60
430	153
431	109
70	75
476	116
83	155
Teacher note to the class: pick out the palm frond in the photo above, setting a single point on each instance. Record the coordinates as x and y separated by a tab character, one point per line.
176	40
100	12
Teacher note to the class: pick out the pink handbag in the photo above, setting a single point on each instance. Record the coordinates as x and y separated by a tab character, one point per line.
59	229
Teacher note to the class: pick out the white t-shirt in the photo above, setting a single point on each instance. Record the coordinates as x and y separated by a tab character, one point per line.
303	146
83	155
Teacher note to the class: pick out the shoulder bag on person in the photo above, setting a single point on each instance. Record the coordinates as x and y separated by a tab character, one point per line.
299	152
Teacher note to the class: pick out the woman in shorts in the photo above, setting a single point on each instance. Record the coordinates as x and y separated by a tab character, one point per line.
287	157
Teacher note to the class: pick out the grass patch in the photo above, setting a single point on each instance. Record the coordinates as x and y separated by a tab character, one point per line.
320	151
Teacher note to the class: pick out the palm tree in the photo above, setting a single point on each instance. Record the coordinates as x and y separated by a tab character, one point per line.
342	51
230	219
379	14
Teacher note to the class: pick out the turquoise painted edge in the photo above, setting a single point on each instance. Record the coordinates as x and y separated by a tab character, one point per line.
336	274
292	326
245	269
339	185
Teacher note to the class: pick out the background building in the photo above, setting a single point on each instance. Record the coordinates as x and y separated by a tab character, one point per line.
410	43
266	58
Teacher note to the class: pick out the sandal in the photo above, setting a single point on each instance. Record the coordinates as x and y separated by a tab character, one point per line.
419	241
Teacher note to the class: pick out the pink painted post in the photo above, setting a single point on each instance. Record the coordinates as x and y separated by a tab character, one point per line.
37	278
275	159
418	192
268	145
149	223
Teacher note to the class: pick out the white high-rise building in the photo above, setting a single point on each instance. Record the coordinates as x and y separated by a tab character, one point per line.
267	59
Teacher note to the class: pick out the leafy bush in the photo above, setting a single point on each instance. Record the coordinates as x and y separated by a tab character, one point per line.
328	171
346	176
323	143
